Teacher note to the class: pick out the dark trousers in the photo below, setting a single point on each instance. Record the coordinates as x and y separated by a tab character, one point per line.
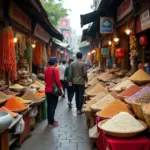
52	101
70	93
79	92
63	82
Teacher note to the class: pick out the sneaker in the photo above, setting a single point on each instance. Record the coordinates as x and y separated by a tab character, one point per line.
79	112
53	125
55	121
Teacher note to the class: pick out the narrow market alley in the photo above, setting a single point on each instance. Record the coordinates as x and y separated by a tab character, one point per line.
72	133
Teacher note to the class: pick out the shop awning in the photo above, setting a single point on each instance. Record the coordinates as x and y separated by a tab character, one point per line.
35	10
61	44
106	8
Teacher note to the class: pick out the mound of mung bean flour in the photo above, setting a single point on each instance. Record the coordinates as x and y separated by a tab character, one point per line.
122	123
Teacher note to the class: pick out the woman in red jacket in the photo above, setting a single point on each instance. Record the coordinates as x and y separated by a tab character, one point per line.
52	100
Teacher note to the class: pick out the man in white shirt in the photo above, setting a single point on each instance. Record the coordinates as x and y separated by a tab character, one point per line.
62	69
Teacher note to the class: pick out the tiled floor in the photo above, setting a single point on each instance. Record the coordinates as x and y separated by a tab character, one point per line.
72	133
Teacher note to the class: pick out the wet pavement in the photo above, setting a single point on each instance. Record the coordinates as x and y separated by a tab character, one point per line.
72	133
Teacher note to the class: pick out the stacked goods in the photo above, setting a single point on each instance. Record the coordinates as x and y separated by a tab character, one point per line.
24	101
130	91
140	76
4	96
8	92
4	109
31	96
17	87
113	109
139	99
34	86
14	105
122	85
146	113
122	123
96	89
40	94
142	96
103	102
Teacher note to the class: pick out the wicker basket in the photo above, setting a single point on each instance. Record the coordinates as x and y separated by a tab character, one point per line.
121	134
146	115
137	108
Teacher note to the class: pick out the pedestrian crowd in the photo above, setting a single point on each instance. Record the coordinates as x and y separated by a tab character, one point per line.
61	78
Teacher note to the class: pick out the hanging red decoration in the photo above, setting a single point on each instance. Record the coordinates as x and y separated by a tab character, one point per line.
120	53
143	41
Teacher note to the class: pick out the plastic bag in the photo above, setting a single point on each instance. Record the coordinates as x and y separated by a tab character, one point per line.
19	127
34	112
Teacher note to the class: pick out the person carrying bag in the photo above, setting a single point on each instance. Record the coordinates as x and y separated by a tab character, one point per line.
53	89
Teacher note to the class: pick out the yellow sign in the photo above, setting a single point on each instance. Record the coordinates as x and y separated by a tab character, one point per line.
19	16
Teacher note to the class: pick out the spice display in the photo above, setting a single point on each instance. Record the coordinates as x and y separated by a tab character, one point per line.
147	108
14	105
8	92
114	108
21	100
140	75
39	83
31	96
103	102
34	86
16	86
122	85
142	96
40	94
4	96
122	122
8	56
130	91
4	109
37	54
99	96
96	89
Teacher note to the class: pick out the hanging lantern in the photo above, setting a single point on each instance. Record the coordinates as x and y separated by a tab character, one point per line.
143	41
120	53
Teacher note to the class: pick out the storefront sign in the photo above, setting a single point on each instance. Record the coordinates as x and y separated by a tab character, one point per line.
41	33
64	23
104	51
19	16
66	33
145	20
106	25
124	9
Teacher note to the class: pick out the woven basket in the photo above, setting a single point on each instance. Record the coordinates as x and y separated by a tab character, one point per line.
146	115
137	108
140	82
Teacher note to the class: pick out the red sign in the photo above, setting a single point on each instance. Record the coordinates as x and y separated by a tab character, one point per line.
19	16
41	33
64	23
124	9
66	33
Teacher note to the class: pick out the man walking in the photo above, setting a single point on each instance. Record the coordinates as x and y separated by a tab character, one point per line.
70	91
62	69
77	78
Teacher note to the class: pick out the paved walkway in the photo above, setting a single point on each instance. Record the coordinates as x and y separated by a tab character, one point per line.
72	133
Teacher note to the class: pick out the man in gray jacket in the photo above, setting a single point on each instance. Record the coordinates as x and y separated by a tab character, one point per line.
77	79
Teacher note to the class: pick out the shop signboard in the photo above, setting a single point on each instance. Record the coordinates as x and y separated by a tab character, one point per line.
64	23
145	20
41	33
106	25
66	33
124	9
104	52
19	16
